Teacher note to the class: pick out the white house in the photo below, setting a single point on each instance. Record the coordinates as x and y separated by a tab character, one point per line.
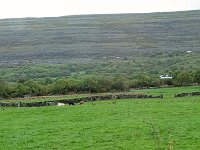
165	77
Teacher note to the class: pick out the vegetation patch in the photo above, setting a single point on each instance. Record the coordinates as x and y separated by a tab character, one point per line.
98	53
126	124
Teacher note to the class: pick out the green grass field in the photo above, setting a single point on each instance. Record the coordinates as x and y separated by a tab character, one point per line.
128	124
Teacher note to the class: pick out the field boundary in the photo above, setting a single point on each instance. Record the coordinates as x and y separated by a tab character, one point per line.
77	100
187	94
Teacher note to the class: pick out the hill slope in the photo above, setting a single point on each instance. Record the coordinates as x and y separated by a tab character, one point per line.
99	38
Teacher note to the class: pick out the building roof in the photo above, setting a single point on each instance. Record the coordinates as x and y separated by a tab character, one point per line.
165	77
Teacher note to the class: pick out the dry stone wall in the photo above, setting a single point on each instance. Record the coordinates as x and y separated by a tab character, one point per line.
77	100
187	94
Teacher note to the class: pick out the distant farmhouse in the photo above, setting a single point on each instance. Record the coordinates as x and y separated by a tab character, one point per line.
165	77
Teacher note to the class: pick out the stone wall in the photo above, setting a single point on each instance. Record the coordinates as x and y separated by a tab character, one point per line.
77	100
187	94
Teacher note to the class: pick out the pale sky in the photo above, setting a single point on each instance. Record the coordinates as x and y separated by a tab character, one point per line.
53	8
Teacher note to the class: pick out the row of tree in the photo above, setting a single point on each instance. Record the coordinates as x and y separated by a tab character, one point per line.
92	84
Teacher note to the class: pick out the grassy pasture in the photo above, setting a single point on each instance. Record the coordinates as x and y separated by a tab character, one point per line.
128	124
170	92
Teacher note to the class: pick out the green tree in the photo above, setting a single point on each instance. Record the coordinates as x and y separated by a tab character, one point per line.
34	88
166	81
61	87
104	84
184	78
3	89
73	85
143	81
89	85
120	84
197	76
21	90
48	80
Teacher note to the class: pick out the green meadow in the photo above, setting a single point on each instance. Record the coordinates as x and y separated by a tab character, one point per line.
168	123
98	54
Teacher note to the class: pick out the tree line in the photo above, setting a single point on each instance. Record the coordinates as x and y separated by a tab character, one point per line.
92	84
